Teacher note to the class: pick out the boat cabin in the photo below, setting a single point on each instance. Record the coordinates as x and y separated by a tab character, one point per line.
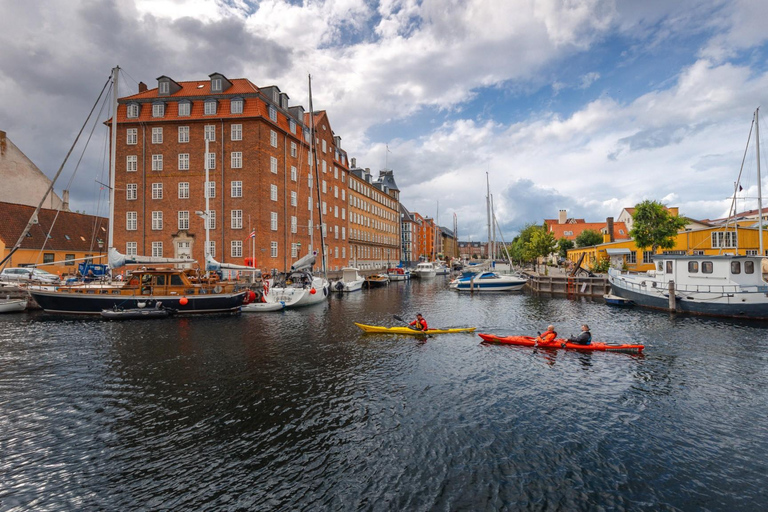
687	270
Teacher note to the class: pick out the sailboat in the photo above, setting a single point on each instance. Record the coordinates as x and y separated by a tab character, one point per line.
725	285
176	289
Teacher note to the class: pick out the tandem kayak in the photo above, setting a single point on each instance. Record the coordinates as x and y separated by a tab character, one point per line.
529	341
408	330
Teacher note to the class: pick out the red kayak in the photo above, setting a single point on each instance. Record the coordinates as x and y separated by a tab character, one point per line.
529	341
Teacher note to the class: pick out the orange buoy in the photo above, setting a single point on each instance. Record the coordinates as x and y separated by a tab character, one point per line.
312	291
183	301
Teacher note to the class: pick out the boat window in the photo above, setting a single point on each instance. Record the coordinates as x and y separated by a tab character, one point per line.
160	280
735	267
693	267
176	280
706	267
660	267
749	267
669	267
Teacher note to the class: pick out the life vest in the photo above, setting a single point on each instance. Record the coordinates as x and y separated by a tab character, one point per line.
421	322
548	337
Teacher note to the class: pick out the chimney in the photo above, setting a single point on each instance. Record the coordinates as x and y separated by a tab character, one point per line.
609	225
562	217
353	161
142	87
65	200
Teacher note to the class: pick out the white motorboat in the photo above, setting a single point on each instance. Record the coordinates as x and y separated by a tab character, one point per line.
351	280
299	287
398	274
424	270
488	282
12	305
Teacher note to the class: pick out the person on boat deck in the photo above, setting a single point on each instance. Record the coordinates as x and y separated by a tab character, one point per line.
585	338
549	335
419	324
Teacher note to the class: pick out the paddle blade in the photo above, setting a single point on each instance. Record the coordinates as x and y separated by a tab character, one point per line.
398	318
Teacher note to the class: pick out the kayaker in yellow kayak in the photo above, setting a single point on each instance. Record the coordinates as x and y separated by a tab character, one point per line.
419	324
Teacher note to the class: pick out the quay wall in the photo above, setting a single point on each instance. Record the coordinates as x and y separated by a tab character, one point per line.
569	286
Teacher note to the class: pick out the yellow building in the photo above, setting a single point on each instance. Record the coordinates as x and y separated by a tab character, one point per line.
706	241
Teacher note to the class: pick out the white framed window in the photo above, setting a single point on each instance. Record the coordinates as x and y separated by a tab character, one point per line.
273	138
183	220
273	249
336	232
324	166
325	208
132	111
335	191
157	162
211	160
236	189
292	126
273	221
157	221
212	248
183	134
236	132
294	250
724	239
210	189
273	192
131	136
273	164
210	132
273	113
343	195
309	180
236	219
184	190
210	107
131	192
294	173
336	211
211	218
131	248
157	191
343	214
343	233
131	163
236	248
309	203
164	88
157	249
294	224
325	148
325	187
294	150
335	172
236	106
158	110
131	221
183	161
237	159
294	198
185	108
648	256
216	84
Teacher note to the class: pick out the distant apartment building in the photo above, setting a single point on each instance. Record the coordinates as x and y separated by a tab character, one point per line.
262	176
409	233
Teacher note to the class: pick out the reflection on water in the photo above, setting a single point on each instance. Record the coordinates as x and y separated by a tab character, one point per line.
300	410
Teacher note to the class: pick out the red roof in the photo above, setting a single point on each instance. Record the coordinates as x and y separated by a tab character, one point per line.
558	230
71	232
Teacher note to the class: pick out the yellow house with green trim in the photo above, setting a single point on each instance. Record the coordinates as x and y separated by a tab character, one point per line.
708	241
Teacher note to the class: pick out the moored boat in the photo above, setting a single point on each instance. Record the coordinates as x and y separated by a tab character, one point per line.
615	300
299	287
139	313
559	343
488	282
407	330
424	269
351	280
377	280
398	274
12	305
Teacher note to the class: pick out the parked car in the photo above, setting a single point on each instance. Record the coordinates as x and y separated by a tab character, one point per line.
28	274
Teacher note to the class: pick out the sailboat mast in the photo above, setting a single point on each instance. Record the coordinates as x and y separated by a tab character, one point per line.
317	180
759	182
113	151
488	209
207	201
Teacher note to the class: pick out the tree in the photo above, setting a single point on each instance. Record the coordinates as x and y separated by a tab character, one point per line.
653	226
563	245
588	238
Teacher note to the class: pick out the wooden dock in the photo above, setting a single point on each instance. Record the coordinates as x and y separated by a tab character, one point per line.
577	286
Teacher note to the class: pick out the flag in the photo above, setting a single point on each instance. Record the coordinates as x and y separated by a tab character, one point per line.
252	235
740	189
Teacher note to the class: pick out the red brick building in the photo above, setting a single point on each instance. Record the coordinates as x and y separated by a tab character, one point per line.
261	176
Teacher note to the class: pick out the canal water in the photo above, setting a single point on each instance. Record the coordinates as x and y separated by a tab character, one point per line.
300	411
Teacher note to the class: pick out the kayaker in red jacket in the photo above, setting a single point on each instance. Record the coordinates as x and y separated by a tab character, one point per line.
419	324
547	336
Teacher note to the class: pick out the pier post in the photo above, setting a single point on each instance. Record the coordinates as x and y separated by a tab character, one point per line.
672	302
472	284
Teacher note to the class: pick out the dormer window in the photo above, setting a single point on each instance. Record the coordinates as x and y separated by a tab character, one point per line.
273	113
210	107
215	84
236	106
132	111
158	110
164	88
185	107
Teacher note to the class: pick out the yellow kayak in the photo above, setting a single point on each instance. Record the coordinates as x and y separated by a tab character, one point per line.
408	330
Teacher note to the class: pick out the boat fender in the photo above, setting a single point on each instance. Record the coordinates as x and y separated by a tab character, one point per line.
217	289
339	285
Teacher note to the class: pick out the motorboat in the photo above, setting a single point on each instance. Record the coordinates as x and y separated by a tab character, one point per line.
377	280
424	269
722	285
9	305
488	282
398	274
299	287
351	280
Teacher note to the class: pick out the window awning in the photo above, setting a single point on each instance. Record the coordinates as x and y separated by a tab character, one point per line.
616	252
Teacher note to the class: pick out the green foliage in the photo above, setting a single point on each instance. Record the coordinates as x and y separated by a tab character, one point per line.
563	245
653	226
533	241
588	238
601	266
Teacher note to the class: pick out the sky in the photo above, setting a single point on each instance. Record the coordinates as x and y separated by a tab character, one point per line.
585	105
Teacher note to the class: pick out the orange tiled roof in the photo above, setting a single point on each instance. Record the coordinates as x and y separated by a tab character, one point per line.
71	232
558	230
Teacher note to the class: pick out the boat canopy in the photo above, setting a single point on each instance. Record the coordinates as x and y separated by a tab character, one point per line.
117	260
